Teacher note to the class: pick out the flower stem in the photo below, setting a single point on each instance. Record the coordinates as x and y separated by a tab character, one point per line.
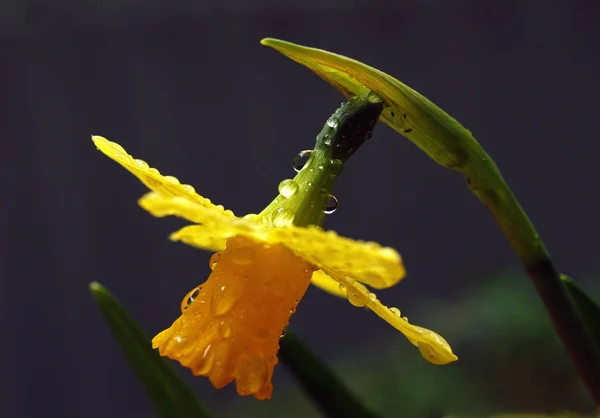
319	382
486	182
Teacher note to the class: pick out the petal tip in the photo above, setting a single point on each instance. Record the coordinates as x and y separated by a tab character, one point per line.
269	41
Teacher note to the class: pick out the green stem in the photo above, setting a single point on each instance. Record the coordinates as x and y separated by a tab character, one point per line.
486	182
319	382
302	200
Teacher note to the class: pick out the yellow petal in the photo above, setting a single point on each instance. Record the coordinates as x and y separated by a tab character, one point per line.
216	226
326	283
166	186
432	346
206	237
367	262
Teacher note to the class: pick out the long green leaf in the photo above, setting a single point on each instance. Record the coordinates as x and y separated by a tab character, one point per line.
169	393
587	307
319	381
450	144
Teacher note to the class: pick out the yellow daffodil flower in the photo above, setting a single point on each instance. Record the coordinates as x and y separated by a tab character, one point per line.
230	325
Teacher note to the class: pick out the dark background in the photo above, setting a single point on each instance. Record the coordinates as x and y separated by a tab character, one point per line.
186	86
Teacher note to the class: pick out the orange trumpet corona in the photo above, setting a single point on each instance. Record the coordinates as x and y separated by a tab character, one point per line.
230	326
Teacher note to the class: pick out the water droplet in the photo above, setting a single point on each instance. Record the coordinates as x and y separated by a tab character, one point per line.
292	310
281	217
225	329
171	179
142	164
250	216
282	333
287	188
395	311
373	98
193	296
301	159
320	166
189	189
327	139
368	135
355	299
223	299
342	287
243	255
337	166
333	122
214	260
206	351
332	205
373	296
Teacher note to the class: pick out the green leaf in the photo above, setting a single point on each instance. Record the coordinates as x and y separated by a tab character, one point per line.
169	393
319	381
408	112
587	307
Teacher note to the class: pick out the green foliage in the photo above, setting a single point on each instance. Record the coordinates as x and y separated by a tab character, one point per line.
587	307
169	393
319	382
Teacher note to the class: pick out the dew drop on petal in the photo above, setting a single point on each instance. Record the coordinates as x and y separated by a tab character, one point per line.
117	147
225	329
282	333
301	159
243	255
171	179
189	189
141	163
332	205
214	260
395	311
287	188
373	296
355	299
223	299
342	287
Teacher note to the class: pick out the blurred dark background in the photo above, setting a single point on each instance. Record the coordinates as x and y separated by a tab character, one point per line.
186	86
